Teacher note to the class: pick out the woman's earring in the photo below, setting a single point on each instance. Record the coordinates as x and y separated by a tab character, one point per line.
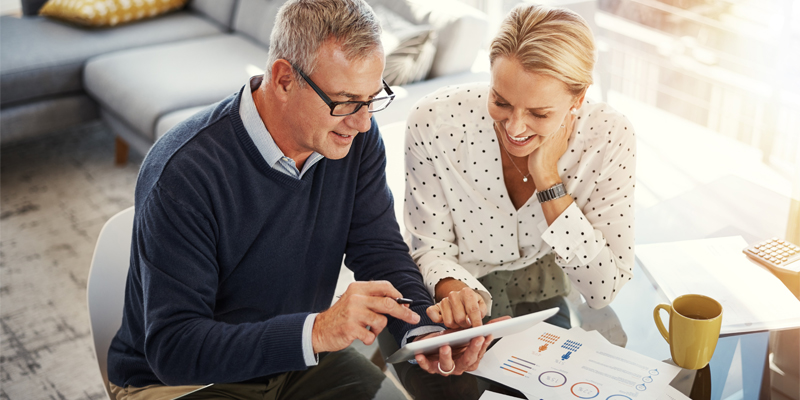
572	111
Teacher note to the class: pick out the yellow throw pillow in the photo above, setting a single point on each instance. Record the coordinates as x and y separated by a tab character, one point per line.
103	13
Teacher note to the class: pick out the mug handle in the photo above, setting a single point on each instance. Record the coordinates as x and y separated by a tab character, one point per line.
659	322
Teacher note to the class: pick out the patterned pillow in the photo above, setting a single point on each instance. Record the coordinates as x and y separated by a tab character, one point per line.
409	48
103	13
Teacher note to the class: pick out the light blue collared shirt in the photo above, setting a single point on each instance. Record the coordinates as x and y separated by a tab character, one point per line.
266	144
275	158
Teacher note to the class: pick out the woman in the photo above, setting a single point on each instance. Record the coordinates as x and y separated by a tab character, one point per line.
520	189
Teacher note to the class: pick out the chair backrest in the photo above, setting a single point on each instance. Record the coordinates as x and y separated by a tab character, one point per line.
105	291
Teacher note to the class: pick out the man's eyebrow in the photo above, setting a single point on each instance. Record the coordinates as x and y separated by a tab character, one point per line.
529	109
355	96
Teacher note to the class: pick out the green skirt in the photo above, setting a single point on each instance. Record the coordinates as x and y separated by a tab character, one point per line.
537	287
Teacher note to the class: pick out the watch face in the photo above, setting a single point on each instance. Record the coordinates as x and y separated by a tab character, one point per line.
552	193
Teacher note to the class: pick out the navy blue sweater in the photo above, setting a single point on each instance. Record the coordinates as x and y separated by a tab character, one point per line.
229	256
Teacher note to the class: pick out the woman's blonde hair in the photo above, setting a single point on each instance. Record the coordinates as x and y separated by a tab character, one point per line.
302	26
548	40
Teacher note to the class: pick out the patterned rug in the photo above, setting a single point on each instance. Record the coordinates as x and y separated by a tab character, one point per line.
55	195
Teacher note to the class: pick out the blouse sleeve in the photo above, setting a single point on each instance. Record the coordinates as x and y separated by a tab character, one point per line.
427	218
594	243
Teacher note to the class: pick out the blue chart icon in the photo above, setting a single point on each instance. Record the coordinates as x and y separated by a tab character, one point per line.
647	379
571	347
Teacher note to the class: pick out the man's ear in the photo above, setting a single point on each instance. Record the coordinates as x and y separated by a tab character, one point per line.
282	81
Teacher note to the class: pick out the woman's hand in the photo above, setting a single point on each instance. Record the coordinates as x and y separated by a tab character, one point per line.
459	306
542	163
455	361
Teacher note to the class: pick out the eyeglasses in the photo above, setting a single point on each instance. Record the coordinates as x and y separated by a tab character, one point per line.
343	108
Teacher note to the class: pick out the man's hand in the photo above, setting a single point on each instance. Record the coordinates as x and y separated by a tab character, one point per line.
358	314
459	306
456	361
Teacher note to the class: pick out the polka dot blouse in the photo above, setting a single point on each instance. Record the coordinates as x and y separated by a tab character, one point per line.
459	218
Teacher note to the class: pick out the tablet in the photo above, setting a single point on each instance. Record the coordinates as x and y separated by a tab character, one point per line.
497	330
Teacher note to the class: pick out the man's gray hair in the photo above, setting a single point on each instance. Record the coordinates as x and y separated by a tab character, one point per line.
302	26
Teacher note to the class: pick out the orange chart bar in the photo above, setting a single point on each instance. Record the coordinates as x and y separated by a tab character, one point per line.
509	370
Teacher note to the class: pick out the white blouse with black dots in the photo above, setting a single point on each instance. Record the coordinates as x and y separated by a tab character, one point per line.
461	223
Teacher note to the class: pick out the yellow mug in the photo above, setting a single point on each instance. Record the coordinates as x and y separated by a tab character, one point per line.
694	324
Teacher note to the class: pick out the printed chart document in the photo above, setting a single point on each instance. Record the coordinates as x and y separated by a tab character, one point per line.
488	395
673	394
552	363
752	298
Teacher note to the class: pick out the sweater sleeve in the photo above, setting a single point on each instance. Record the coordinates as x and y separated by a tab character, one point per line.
375	248
175	246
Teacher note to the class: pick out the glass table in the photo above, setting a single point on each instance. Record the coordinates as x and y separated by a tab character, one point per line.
726	207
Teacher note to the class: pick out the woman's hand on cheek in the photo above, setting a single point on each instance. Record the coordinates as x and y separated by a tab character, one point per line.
543	161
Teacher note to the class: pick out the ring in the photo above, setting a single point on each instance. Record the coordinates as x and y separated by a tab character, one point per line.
445	373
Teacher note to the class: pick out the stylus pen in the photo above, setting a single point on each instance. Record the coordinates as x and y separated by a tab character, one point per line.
399	300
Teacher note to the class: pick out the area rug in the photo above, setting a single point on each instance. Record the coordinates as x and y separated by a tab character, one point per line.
55	195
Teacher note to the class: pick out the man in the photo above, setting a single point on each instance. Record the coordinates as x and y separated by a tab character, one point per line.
243	214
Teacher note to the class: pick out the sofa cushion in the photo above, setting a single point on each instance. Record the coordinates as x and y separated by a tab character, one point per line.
141	85
460	30
104	13
169	120
42	57
409	48
220	11
255	18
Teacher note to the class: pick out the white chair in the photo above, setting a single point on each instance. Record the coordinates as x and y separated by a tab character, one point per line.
105	291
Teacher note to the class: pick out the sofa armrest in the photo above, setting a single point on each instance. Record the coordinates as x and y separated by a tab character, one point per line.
461	30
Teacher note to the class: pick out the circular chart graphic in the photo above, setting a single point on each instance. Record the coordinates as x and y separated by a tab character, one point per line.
584	390
653	372
647	379
618	397
641	387
552	379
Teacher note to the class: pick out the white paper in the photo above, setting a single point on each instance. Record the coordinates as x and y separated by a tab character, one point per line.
673	394
752	298
487	395
548	362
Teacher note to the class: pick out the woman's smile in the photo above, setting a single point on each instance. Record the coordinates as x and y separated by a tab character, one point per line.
520	140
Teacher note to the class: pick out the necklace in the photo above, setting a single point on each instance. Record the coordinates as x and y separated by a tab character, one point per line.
524	177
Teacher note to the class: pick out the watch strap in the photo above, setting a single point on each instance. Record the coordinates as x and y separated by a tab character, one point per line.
554	192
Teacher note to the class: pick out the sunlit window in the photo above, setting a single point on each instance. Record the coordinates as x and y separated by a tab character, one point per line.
719	69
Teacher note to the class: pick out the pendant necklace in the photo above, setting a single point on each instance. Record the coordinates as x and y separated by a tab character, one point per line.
524	177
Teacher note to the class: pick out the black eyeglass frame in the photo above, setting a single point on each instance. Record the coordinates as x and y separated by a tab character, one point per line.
332	104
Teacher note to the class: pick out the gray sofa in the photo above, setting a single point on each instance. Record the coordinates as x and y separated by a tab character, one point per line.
143	78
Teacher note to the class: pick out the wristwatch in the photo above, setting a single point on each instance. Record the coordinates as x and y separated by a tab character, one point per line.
552	193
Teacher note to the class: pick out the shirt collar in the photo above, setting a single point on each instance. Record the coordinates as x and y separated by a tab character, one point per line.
258	131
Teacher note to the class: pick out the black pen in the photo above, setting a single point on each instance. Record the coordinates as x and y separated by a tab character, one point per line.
399	300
